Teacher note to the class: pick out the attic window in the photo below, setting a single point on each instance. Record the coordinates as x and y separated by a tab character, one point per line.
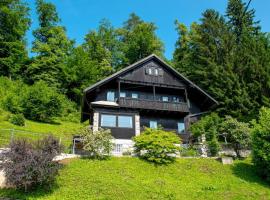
154	71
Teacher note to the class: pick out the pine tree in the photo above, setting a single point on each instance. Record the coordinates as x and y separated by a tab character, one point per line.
228	56
14	22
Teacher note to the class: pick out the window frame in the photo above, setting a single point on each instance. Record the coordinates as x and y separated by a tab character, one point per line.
115	120
134	93
129	116
110	92
125	94
153	121
183	127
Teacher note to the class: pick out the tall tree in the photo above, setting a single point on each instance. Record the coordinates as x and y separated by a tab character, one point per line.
51	46
229	56
139	40
92	61
14	22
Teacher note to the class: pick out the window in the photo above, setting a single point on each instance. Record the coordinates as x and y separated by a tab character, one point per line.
150	71
122	94
153	124
125	121
134	95
165	98
110	96
108	120
118	148
181	127
176	99
156	71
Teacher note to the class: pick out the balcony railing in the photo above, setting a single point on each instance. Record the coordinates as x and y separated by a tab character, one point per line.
152	104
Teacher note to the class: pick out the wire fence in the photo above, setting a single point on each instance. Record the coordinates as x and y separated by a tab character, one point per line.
7	135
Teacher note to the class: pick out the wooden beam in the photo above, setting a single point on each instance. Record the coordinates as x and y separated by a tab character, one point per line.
154	92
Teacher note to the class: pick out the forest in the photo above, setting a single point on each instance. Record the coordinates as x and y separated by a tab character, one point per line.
227	55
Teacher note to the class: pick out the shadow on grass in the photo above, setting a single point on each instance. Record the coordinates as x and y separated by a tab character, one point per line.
35	193
247	172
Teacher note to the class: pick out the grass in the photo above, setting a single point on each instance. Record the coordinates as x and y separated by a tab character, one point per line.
131	178
34	130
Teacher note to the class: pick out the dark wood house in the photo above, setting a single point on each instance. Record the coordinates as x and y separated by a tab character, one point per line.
147	93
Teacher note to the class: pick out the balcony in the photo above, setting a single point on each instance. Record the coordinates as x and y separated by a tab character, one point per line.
152	104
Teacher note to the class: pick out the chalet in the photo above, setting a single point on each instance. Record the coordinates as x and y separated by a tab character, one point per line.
147	93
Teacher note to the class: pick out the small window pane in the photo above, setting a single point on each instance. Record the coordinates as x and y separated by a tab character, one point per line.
150	70
156	72
108	120
110	96
125	121
153	124
165	98
122	94
134	95
181	127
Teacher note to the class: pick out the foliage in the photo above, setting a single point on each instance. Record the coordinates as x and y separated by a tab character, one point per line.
238	134
123	178
14	22
157	145
229	56
189	152
41	102
17	119
37	102
139	39
209	126
97	144
27	165
261	143
51	46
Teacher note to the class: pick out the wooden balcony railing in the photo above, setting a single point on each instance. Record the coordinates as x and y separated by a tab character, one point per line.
152	104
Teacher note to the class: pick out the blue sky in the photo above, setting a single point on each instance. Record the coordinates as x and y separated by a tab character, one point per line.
80	16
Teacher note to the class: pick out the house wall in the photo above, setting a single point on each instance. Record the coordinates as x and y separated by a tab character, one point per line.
117	132
138	74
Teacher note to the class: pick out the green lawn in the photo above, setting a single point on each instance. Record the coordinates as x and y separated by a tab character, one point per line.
131	178
32	129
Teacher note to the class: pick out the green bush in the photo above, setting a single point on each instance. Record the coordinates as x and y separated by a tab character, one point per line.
209	126
237	133
261	143
42	103
97	144
17	119
157	145
189	152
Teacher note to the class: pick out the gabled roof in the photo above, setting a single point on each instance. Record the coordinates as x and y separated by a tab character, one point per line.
152	56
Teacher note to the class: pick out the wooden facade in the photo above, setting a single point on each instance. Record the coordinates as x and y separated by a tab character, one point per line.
145	94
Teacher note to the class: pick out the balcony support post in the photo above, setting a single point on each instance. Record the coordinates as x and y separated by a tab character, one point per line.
119	88
187	100
154	92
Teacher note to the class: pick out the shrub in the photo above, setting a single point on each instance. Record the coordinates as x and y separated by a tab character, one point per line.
209	126
41	102
27	164
189	152
238	134
17	119
157	145
261	143
97	144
